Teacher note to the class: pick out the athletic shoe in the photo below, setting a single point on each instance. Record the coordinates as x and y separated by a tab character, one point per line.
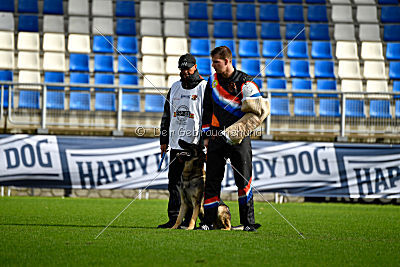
168	224
205	227
249	228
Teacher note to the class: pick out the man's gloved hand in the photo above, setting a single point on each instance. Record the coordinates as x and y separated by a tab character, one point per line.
226	138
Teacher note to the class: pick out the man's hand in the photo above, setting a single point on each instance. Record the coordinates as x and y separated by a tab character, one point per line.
206	142
164	148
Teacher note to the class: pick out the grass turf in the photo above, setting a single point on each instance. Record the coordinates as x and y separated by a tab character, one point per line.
54	231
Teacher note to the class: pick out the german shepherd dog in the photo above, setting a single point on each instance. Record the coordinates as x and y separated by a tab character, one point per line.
192	188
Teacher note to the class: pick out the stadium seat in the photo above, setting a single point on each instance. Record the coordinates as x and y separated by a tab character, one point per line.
171	65
53	42
372	50
200	47
388	2
369	32
103	44
327	85
127	45
324	69
6	76
78	43
150	27
153	65
300	68
104	79
245	12
272	49
304	107
197	11
102	26
348	69
55	100
78	7
54	77
150	9
154	81
28	60
29	99
297	49
7	5
270	31
391	33
78	25
53	61
295	31
352	86
249	48
28	41
247	30
128	79
251	66
125	26
79	62
154	103
103	63
367	14
152	45
293	13
222	29
275	68
321	50
344	32
54	7
7	21
396	88
276	84
280	106
175	46
374	70
393	51
342	13
292	1
390	14
380	86
79	78
7	60
269	12
317	13
28	6
203	65
31	77
125	9
53	23
104	101
198	28
300	84
319	32
346	50
28	23
79	101
397	112
222	11
355	108
394	70
329	107
130	103
101	8
227	42
174	28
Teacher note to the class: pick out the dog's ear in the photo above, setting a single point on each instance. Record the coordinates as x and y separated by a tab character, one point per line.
185	145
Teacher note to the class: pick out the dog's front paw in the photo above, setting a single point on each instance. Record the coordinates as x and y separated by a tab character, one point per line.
175	226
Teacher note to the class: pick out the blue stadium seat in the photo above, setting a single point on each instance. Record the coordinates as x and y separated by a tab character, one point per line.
396	88
268	1
293	13
105	79
391	33
28	23
125	9
324	69
227	42
198	11
28	6
280	106
300	84
29	99
76	78
394	70
304	107
272	49
355	108
103	63
295	31
300	68
55	100
249	48
6	75
388	2
128	79
79	101
198	28
53	7
397	112
79	62
130	103
127	45
393	51
247	30
317	13
319	32
270	31
292	1
204	66
54	77
275	68
297	49
222	29
5	103
328	85
200	47
258	82
269	13
222	11
315	2
251	66
329	107
154	103
246	12
7	5
104	101
379	109
276	84
103	44
390	14
126	26
127	64
321	50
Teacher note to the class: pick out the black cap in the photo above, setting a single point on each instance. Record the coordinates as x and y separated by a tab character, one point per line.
186	61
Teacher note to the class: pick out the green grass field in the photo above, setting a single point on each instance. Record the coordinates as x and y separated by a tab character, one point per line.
54	231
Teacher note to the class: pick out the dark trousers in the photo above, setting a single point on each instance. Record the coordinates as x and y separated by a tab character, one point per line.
241	160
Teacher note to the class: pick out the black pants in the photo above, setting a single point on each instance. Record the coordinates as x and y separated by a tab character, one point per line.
241	161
